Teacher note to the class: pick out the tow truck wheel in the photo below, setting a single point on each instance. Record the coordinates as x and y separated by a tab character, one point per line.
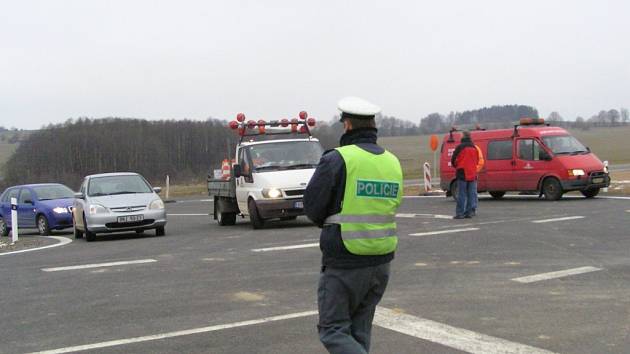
257	221
225	219
590	193
497	195
552	189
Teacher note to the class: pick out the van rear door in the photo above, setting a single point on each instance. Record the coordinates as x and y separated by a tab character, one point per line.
500	165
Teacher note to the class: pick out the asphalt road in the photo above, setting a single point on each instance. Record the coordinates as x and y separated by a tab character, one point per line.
450	292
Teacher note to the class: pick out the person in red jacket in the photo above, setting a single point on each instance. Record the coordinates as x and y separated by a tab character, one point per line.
465	159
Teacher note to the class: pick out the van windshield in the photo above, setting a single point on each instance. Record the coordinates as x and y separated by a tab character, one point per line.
285	155
564	144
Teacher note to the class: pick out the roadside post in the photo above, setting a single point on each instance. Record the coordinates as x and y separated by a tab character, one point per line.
14	221
434	142
168	186
605	190
427	178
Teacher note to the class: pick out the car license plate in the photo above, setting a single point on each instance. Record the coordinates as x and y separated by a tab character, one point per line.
130	218
298	205
598	180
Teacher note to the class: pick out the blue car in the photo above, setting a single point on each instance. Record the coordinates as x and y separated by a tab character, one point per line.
45	207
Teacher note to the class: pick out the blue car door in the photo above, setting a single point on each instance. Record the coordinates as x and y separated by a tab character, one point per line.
26	209
6	204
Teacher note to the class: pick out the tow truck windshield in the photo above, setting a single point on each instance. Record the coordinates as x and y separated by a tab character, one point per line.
290	155
565	145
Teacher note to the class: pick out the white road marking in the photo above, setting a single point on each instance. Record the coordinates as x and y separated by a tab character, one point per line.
405	215
453	337
611	197
187	214
98	265
554	275
444	231
627	211
187	332
282	248
62	241
557	219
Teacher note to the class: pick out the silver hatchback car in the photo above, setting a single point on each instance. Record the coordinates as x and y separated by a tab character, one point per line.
113	202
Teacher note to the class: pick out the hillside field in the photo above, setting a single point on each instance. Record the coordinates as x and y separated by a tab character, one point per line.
612	144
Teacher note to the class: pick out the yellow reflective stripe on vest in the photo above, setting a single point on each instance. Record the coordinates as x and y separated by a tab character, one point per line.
353	235
369	219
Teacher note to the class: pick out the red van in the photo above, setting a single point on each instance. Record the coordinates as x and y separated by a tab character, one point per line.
533	157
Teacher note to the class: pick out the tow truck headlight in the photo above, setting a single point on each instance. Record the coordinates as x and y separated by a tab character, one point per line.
97	209
576	172
60	210
157	204
271	193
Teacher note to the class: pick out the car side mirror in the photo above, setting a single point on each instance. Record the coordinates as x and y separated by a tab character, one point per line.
544	155
237	170
588	149
79	195
157	189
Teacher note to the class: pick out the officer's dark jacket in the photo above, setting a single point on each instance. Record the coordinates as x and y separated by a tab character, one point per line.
323	197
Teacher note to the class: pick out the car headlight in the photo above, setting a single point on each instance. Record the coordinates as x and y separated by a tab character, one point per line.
576	172
60	210
97	209
271	193
157	204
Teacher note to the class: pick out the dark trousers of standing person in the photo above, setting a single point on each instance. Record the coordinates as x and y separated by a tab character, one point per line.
466	191
347	299
475	199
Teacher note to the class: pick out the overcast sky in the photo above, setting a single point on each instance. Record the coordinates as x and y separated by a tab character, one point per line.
271	59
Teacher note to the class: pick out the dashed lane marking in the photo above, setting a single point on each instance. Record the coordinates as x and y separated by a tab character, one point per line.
557	219
444	231
187	332
98	265
458	338
282	248
554	275
62	241
187	214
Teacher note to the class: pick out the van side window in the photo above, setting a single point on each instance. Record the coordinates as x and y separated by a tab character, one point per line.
528	149
500	150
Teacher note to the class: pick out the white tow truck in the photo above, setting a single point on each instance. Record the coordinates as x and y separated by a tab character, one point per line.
274	163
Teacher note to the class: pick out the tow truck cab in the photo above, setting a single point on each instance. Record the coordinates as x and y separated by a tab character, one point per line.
533	157
274	163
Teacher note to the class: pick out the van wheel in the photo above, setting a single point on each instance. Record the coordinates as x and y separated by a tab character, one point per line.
497	195
4	229
454	190
552	189
590	193
257	221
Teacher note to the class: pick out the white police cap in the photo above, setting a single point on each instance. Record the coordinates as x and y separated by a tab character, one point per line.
355	106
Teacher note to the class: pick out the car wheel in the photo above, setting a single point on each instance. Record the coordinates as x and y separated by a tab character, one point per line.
257	221
454	190
590	193
225	219
552	189
4	229
160	231
42	225
89	235
497	195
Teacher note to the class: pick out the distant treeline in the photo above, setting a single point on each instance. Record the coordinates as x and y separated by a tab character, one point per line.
65	153
487	117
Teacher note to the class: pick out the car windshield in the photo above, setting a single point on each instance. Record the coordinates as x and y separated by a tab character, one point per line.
124	184
564	144
285	155
53	192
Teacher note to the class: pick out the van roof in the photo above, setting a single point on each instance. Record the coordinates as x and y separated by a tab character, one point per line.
523	131
271	141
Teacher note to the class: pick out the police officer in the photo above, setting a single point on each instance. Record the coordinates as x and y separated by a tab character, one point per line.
353	196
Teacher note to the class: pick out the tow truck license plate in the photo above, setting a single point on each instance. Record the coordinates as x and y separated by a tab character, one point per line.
298	205
130	218
598	180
